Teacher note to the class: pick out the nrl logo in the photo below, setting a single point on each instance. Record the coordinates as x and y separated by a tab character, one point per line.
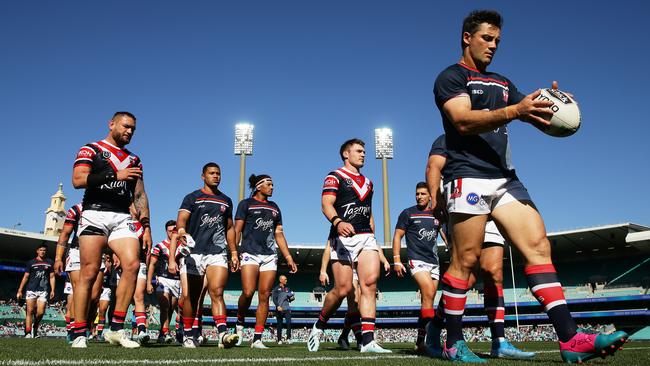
106	154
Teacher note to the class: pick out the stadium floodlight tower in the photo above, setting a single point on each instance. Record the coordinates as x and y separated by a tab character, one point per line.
243	147
384	151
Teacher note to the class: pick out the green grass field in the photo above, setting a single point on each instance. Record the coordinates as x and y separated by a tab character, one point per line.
37	352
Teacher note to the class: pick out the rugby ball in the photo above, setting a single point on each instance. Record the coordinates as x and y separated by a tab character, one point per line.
566	114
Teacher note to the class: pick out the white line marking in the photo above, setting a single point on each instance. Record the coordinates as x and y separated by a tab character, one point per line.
220	360
191	361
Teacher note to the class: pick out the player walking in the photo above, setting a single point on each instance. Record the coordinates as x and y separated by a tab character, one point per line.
168	289
491	267
38	282
112	179
480	181
258	223
347	205
421	228
205	223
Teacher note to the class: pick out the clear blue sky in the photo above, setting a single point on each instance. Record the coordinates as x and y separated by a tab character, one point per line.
309	75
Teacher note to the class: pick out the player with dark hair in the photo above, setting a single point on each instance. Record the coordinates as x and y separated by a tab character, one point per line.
168	289
421	228
258	223
347	204
205	226
491	268
112	179
480	182
38	283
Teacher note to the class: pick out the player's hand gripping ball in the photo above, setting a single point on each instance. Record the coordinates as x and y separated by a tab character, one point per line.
566	114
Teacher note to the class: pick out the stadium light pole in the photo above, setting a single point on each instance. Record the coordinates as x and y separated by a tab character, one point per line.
384	151
243	147
514	287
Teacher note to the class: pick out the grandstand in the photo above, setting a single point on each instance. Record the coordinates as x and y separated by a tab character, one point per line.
605	271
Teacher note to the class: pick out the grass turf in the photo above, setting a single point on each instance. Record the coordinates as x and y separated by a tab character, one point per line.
37	352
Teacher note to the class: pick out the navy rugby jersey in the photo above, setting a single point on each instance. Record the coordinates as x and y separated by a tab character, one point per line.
439	146
208	221
421	229
260	220
353	203
72	218
486	155
39	274
161	251
102	157
106	282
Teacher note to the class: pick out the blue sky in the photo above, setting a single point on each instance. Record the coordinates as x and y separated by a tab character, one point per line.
310	75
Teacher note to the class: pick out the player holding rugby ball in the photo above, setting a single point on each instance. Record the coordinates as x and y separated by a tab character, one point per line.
480	182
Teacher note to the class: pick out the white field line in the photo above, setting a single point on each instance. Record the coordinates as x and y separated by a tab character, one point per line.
55	362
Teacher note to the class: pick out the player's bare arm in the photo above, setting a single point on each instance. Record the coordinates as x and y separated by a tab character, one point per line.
433	175
52	285
181	223
23	282
172	266
443	236
232	245
382	259
177	235
397	258
472	122
284	248
61	246
239	228
150	270
141	204
324	261
343	228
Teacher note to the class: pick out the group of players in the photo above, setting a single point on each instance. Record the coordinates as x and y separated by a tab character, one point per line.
481	199
194	259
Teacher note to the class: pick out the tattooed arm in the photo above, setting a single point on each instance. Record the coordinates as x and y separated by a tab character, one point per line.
141	204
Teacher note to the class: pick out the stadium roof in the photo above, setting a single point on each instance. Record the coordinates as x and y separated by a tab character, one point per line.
20	246
617	240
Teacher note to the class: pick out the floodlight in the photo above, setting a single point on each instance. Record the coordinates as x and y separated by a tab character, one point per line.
383	143
244	139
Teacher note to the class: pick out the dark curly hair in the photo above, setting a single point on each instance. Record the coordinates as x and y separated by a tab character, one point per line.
478	17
